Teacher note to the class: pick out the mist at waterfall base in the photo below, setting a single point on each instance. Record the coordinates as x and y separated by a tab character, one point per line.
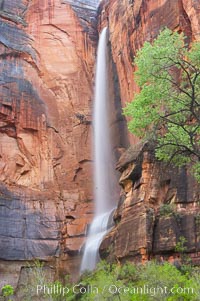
105	181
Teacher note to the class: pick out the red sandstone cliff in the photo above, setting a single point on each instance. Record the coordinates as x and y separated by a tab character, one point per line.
158	205
47	56
133	22
141	231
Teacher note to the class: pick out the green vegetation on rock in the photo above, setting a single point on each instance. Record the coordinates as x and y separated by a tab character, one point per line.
167	108
166	210
7	292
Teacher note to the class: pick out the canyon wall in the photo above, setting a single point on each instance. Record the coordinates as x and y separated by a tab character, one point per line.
132	22
47	56
158	204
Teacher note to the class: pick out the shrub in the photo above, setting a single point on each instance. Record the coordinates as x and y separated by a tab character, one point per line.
131	282
166	210
7	291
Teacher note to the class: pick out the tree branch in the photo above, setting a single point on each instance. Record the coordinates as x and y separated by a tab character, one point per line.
172	82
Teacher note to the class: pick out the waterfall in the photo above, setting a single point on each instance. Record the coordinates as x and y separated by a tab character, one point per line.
104	173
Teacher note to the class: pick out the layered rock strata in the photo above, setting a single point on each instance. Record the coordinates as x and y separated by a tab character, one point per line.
159	205
47	55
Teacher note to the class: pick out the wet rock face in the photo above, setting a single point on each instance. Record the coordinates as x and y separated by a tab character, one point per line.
87	20
47	59
156	209
29	229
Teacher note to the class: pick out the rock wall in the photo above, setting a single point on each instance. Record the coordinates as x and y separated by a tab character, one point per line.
144	229
47	55
131	22
158	205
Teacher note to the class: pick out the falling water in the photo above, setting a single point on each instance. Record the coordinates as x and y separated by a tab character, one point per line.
104	173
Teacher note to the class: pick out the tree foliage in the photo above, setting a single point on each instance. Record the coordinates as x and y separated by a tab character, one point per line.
167	108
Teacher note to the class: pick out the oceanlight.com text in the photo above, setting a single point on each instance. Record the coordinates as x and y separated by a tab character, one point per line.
113	290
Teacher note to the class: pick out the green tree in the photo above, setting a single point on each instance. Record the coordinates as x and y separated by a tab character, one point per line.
167	108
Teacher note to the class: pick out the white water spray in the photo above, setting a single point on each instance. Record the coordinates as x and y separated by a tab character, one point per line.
104	172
